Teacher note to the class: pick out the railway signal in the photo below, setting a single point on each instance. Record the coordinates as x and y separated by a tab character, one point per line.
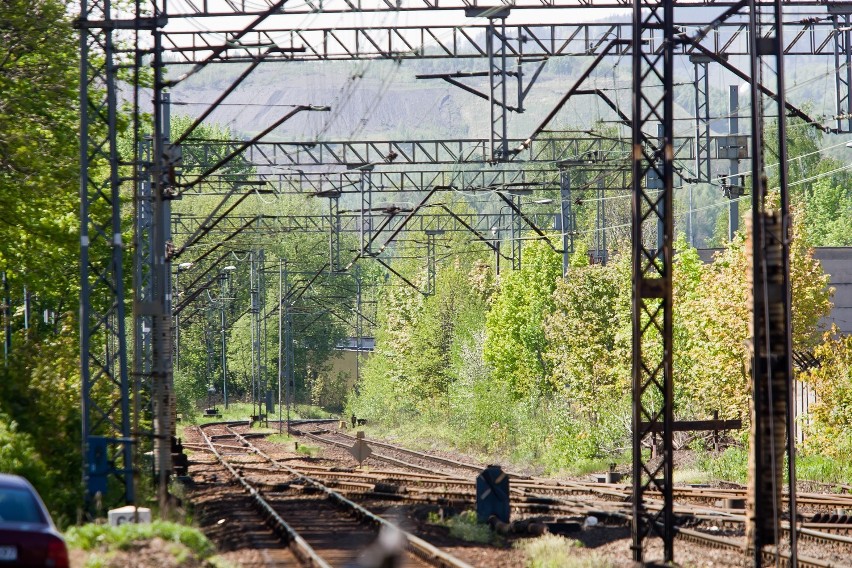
360	450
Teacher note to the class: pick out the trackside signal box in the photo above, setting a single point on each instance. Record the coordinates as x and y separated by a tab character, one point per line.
492	494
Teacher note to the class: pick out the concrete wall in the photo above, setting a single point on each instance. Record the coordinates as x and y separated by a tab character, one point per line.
345	362
837	261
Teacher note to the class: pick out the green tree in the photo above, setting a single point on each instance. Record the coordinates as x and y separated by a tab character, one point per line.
40	394
318	325
827	207
830	419
588	334
39	243
712	306
422	341
39	150
516	342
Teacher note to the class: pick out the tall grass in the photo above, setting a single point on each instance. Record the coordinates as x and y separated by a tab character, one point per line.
552	551
90	537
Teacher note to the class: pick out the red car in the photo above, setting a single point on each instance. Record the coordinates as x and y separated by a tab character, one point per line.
27	534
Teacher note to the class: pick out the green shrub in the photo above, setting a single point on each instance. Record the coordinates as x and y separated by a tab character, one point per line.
465	527
552	551
19	456
729	465
825	469
187	392
90	537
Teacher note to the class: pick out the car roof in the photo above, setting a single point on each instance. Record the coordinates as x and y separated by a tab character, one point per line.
9	480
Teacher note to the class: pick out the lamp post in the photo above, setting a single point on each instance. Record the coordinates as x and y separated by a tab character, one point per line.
225	293
181	267
495	235
497	231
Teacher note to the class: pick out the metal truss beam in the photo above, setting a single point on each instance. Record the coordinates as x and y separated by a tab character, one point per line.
567	221
334	231
497	46
814	35
843	66
702	117
366	220
143	286
325	185
653	393
349	223
431	260
219	8
601	247
384	153
734	191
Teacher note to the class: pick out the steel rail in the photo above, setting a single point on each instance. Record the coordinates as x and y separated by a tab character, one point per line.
377	456
297	544
770	554
700	513
417	545
447	461
533	503
423	455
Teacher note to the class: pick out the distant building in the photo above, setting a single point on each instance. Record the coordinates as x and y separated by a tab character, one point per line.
351	344
837	262
350	357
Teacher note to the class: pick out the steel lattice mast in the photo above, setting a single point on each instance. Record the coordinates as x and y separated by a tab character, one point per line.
653	393
106	419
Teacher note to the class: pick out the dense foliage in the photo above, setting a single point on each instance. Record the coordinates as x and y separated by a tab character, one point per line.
829	431
39	381
545	370
515	339
38	149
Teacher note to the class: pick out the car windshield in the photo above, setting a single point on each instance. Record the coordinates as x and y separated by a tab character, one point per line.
19	506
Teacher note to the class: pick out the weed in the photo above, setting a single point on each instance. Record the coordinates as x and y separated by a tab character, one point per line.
180	553
219	562
815	467
91	536
552	551
730	465
310	451
465	527
243	410
692	475
280	438
310	411
97	561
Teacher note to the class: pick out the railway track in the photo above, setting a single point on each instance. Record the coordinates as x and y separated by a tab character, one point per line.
349	440
532	496
717	501
318	519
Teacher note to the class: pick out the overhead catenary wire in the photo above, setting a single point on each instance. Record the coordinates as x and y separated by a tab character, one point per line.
613	197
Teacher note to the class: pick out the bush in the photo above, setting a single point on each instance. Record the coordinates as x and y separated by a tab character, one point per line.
552	551
40	419
187	394
466	527
90	537
825	469
729	465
